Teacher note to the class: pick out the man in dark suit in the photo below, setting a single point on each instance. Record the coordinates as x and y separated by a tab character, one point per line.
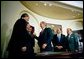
45	37
20	43
59	41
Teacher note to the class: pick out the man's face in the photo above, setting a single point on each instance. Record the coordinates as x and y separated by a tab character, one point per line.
68	31
26	18
58	31
28	27
42	25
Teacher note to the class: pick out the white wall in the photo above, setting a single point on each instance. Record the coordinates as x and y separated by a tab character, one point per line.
11	11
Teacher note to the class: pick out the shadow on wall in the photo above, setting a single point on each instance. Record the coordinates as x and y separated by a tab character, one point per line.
5	36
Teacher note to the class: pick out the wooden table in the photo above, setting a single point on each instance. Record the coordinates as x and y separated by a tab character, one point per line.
58	55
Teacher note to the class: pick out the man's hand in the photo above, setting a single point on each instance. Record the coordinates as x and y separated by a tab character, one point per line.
59	47
76	50
44	46
24	48
66	50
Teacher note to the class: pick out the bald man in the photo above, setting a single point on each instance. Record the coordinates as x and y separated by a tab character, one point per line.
45	37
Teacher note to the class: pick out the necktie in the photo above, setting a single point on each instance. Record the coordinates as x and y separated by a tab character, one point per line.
59	38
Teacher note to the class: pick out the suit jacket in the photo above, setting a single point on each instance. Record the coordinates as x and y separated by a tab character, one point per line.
63	42
45	37
72	42
32	39
19	38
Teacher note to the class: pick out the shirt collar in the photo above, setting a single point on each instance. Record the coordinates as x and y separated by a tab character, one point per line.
59	34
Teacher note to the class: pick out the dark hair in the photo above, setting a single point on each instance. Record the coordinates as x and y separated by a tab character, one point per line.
24	15
32	29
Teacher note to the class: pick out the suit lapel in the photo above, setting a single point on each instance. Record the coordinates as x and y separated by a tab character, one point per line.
57	38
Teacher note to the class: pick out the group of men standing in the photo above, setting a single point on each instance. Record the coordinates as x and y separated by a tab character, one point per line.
22	42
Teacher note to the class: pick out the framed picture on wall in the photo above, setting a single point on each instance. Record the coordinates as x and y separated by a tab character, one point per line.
54	27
